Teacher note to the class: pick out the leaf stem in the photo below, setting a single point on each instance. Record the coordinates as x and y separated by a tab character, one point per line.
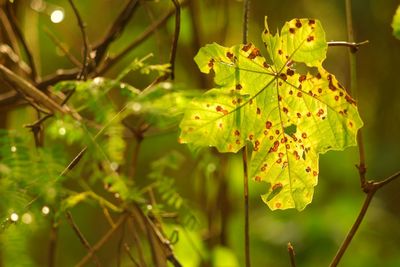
291	255
246	208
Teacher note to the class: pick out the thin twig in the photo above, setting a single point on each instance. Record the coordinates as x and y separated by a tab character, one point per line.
246	207
18	33
246	8
115	30
127	251
140	39
176	37
5	22
352	45
53	244
81	237
136	240
86	52
102	241
291	255
60	45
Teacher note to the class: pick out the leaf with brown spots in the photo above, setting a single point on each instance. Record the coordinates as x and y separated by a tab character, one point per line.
287	118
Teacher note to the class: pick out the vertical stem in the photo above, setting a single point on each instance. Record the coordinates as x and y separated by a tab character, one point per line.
354	89
353	229
53	244
246	208
246	5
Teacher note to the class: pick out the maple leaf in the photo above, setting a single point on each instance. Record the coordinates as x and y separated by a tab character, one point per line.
286	116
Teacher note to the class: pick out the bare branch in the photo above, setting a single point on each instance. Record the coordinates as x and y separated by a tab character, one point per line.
18	33
102	241
60	45
81	237
116	29
291	255
352	45
140	39
86	52
176	37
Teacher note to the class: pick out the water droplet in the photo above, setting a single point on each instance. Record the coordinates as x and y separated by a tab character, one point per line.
136	107
57	16
98	80
166	85
13	149
27	218
62	131
211	167
114	166
45	210
14	217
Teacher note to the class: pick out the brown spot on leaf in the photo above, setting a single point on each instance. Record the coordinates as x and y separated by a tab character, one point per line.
257	178
299	94
266	65
196	117
237	142
285	110
308	114
336	97
283	76
268	125
258	111
290	92
320	90
238	86
211	63
308	169
220	125
279	161
280	52
287	146
292	30
280	154
350	124
234	102
298	23
278	205
277	132
318	75
296	155
229	55
290	72
271	138
304	135
349	99
311	22
254	53
302	78
246	47
310	38
298	115
251	137
237	133
257	143
284	140
315	173
279	98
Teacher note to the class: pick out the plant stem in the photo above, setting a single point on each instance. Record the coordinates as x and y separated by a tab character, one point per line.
246	7
291	255
353	229
246	208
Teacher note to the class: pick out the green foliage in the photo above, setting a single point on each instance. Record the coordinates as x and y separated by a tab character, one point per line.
288	117
396	23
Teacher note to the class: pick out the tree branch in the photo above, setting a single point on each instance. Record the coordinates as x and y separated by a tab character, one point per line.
81	237
291	255
86	51
18	33
116	29
176	37
354	46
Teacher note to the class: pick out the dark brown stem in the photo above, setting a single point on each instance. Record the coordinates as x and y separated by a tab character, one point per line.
140	39
116	30
86	52
291	255
246	208
176	37
102	241
352	45
53	244
60	45
246	8
81	237
354	228
18	33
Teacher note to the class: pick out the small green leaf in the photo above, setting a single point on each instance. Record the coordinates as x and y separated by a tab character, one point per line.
396	23
287	117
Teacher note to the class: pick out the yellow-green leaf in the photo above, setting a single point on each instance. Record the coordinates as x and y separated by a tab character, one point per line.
286	116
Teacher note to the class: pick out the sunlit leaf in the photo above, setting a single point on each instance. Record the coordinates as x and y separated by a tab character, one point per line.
286	116
396	23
